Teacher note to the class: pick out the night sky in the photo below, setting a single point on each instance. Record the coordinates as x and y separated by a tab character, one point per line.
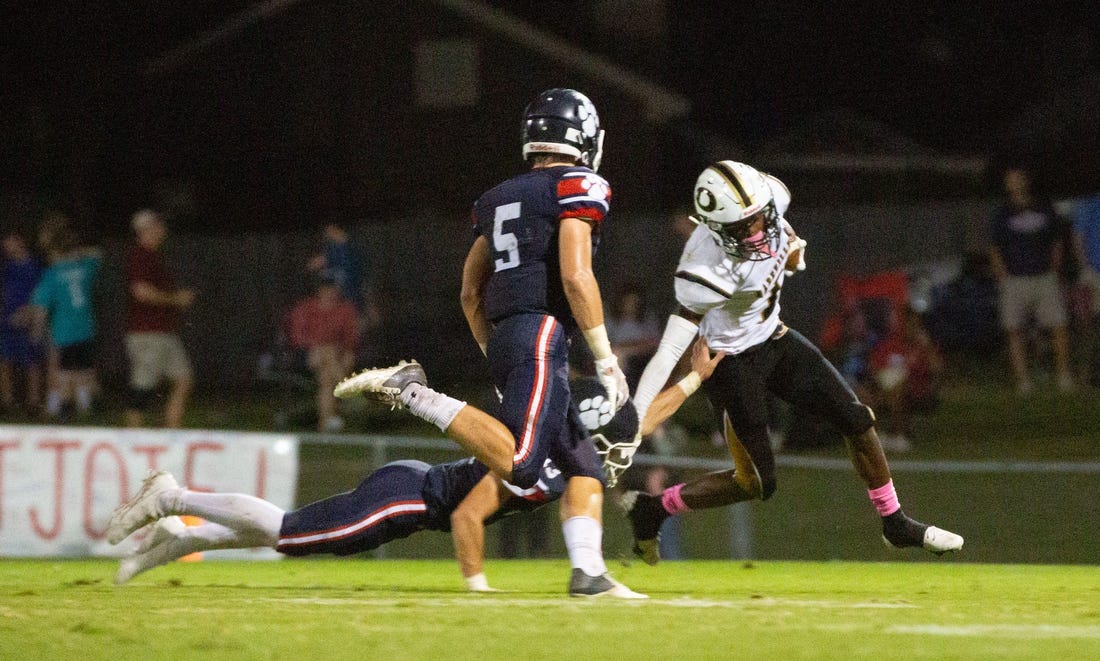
974	78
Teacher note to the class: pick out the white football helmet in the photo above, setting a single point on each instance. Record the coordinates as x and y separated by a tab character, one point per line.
729	198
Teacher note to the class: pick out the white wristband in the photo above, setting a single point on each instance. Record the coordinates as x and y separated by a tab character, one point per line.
477	582
690	383
597	341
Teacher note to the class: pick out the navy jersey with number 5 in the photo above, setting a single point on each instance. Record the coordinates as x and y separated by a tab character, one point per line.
519	218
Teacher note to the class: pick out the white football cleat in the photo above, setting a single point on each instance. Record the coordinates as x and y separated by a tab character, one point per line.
583	585
154	550
900	531
142	509
940	541
383	384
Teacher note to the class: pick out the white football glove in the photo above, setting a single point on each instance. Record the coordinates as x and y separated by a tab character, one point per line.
799	245
613	380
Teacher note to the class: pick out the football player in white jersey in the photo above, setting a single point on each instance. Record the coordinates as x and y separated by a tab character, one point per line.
728	285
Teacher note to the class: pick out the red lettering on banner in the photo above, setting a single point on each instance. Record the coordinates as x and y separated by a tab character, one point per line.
151	452
4	446
59	448
261	473
89	482
189	462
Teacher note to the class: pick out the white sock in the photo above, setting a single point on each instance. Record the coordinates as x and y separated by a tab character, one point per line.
53	403
584	541
205	537
83	399
214	536
248	515
427	404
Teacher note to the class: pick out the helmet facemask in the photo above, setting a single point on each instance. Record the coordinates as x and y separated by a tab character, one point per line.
736	239
736	203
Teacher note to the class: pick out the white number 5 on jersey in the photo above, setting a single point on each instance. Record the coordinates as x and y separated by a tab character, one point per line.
505	242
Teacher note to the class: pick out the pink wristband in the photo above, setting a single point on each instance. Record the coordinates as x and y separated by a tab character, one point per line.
672	501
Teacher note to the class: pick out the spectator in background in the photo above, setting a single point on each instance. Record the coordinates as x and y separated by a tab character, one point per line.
153	344
20	356
340	262
1086	225
634	333
1026	256
906	368
63	301
847	340
326	327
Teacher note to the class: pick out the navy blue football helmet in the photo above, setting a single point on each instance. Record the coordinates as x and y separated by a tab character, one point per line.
563	121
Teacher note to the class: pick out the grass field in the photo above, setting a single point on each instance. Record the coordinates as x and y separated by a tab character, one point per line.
371	609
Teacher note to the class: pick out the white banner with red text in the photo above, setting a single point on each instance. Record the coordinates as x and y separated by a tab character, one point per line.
59	485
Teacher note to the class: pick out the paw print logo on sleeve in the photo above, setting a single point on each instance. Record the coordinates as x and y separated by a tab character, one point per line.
595	412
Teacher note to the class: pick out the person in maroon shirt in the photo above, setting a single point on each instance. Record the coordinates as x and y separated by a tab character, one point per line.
326	327
152	341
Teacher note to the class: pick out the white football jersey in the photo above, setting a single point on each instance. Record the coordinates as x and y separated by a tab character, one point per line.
739	299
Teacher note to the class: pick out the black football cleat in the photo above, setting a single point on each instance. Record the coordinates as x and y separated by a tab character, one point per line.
646	515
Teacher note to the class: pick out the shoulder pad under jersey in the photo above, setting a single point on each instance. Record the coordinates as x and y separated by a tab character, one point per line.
700	288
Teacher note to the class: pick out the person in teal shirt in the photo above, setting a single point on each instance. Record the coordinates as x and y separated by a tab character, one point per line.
63	298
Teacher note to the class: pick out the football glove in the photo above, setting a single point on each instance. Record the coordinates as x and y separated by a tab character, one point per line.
613	380
798	245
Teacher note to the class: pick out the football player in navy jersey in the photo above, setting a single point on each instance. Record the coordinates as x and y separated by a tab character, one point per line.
527	284
728	285
395	501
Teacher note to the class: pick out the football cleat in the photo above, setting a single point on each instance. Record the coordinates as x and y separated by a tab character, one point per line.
153	551
142	509
899	531
646	515
583	585
382	384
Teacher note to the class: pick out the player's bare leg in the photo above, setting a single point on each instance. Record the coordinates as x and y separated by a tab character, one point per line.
898	529
405	386
647	512
717	489
486	438
722	488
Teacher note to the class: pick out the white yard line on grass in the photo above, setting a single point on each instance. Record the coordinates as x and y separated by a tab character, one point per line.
999	630
496	599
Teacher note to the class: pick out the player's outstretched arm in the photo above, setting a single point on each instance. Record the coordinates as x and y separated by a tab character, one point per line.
468	529
680	330
475	273
673	397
